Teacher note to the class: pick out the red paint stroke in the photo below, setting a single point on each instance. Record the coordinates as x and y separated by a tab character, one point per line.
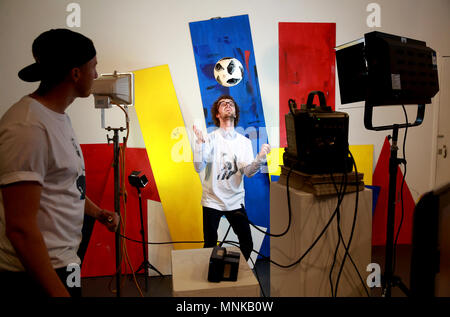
247	58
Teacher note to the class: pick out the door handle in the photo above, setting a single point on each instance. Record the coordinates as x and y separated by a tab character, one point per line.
443	151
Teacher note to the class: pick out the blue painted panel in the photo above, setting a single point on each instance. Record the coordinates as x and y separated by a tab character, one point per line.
231	37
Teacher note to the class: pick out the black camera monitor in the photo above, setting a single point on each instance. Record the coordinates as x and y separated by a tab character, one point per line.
385	69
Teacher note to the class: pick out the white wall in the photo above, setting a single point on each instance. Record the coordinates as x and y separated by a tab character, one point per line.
135	34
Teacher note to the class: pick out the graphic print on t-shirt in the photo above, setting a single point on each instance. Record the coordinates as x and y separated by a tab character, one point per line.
81	185
76	147
228	166
81	180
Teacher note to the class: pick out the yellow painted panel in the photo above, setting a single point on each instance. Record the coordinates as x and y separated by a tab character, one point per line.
363	155
170	154
274	160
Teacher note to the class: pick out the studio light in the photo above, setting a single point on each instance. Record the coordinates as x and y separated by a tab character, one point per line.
385	70
137	179
388	70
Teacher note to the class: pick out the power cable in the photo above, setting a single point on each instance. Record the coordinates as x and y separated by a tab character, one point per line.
237	244
340	195
336	211
347	247
277	235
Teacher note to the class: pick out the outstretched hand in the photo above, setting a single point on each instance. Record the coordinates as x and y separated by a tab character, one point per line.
265	149
198	134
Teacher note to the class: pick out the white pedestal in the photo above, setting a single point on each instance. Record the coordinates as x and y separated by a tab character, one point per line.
190	276
309	216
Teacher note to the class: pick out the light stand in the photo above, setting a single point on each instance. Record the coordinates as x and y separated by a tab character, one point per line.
140	182
390	280
385	69
109	89
116	150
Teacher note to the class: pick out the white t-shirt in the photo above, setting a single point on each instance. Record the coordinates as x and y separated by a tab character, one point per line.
38	144
224	156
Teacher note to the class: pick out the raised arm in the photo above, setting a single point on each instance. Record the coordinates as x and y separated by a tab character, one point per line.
202	149
251	169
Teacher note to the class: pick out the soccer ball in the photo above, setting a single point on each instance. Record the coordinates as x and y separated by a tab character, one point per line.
228	71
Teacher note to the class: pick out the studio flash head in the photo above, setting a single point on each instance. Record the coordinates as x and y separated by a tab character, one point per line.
137	179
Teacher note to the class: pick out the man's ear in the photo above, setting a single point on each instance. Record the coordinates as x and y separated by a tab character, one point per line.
75	74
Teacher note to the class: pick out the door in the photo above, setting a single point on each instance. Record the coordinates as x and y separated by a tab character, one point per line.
443	135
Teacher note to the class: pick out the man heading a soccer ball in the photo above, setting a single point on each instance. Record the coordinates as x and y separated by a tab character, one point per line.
226	156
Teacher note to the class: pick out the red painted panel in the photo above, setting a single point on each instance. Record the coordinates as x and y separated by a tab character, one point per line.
306	63
100	255
379	221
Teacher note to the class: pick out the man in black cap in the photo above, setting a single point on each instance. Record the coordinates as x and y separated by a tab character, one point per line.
42	175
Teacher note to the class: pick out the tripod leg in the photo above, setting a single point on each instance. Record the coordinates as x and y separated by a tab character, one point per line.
144	245
396	281
151	267
144	267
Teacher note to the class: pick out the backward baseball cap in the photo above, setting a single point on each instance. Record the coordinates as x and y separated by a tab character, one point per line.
56	52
